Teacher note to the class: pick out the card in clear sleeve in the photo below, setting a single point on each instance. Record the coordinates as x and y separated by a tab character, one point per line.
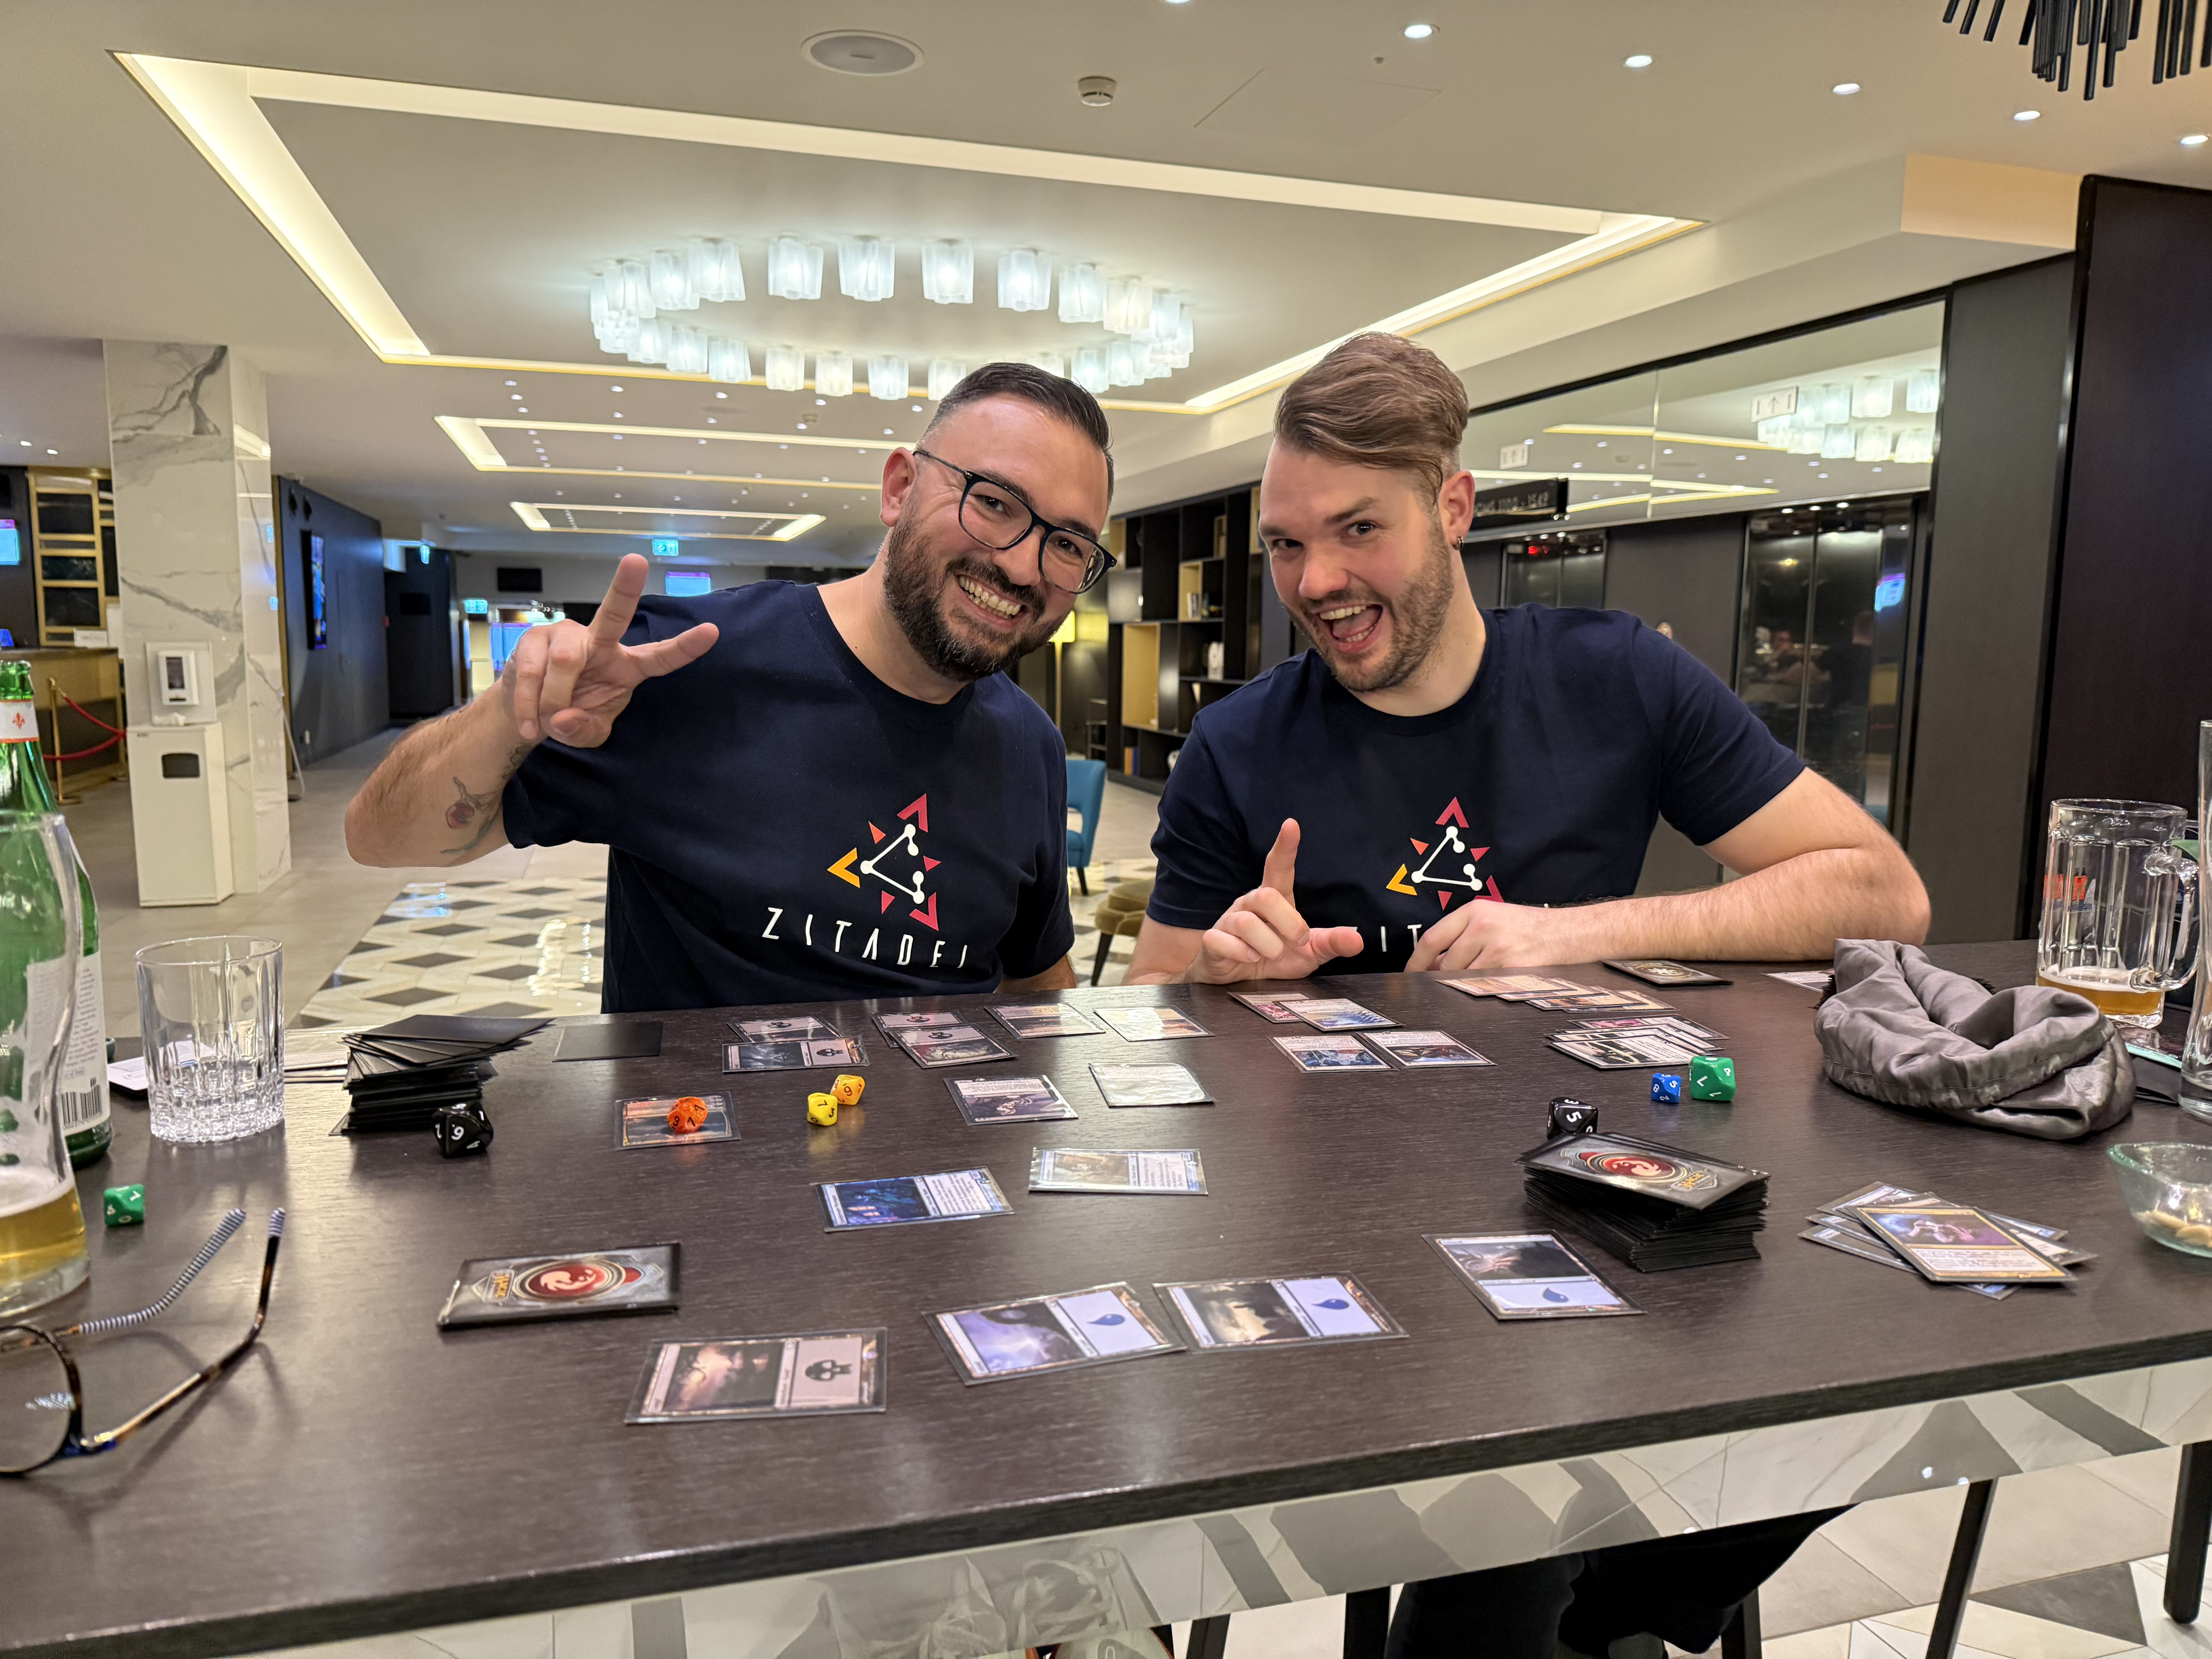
1330	1052
1037	1333
895	1200
1340	1014
1272	1312
1282	1010
802	1374
644	1120
1008	1099
1530	1276
1151	1023
503	1290
1416	1049
1044	1019
1087	1170
794	1025
1144	1082
951	1045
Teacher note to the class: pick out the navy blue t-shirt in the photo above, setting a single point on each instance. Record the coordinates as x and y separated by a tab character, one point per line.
784	827
1539	787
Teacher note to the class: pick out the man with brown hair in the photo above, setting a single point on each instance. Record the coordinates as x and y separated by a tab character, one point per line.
1470	788
1434	786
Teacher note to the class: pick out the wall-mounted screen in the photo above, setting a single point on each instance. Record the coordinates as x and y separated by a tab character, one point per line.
687	584
520	579
312	584
11	543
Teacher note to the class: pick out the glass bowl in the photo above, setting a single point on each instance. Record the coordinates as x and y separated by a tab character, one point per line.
2167	1185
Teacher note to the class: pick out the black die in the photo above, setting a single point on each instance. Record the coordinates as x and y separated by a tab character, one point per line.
462	1128
1571	1116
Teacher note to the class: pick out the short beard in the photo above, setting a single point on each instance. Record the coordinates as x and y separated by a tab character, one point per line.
914	585
1417	621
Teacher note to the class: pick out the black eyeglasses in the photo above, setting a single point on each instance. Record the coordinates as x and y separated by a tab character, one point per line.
42	1399
1001	520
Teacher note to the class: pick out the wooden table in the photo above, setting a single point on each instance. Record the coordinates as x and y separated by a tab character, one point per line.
364	1472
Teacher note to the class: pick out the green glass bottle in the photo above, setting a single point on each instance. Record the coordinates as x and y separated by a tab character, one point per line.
24	789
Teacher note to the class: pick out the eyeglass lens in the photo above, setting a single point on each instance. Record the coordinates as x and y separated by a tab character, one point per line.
35	1401
996	518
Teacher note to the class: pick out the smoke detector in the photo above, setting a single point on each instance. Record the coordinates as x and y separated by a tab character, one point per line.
855	52
1096	90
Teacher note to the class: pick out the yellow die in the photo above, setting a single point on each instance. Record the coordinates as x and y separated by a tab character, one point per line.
847	1089
822	1109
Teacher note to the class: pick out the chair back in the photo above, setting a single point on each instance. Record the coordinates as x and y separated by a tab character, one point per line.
1086	797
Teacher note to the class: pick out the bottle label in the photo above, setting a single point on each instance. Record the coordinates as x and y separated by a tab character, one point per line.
84	1063
18	722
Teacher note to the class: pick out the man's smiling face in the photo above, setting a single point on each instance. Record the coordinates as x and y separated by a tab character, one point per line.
970	610
1361	559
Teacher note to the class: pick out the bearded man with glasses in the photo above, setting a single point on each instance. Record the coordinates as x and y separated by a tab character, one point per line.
808	793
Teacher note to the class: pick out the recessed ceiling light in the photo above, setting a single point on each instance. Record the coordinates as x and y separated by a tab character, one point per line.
852	52
54	452
513	397
722	394
917	409
887	432
822	403
1636	60
1420	31
2191	140
2027	115
614	388
514	383
1845	88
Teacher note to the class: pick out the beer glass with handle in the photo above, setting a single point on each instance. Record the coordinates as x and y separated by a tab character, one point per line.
42	1247
2119	906
2197	1052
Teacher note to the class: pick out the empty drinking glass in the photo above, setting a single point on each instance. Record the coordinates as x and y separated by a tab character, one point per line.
2119	906
212	1013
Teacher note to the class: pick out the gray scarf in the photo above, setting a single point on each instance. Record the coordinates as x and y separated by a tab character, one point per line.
2033	1060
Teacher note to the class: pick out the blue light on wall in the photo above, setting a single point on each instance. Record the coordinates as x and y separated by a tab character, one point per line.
687	584
667	547
1889	592
476	607
11	543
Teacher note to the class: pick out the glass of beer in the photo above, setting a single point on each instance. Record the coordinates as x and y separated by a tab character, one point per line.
42	1249
2119	906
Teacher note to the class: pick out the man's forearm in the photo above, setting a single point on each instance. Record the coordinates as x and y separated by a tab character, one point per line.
435	798
1793	911
1060	976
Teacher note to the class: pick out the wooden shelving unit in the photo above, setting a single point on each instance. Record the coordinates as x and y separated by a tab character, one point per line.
1184	625
73	549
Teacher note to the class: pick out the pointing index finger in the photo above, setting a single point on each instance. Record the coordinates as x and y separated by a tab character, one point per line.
1281	869
612	619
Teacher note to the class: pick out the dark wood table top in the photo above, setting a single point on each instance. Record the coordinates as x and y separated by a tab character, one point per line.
364	1472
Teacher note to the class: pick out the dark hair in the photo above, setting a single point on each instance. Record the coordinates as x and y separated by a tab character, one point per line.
1053	393
1378	400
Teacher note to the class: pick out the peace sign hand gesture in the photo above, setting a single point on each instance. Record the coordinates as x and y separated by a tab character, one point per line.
569	682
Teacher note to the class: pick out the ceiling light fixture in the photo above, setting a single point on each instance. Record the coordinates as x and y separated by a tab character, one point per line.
728	360
1025	280
856	51
1052	363
1420	31
948	272
887	378
832	374
1636	60
786	368
1129	308
867	268
672	280
945	374
1845	88
795	269
2191	140
1082	295
715	273
1091	372
2027	115
2105	28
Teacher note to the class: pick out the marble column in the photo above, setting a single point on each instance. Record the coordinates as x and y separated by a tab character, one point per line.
195	536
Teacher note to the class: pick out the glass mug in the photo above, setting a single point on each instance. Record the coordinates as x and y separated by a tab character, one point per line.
2197	1051
2119	906
42	1245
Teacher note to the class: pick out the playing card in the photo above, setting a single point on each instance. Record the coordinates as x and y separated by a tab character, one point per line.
951	1045
1138	1083
1626	1001
1248	1312
1950	1243
1419	1049
792	1054
1283	1009
806	1373
1152	1024
1654	970
503	1289
1084	1169
1530	1276
796	1026
644	1121
1044	1019
1500	985
894	1024
1643	1166
893	1201
1685	1032
1049	1334
1323	1053
1339	1014
1601	1051
1007	1099
1854	1240
1822	979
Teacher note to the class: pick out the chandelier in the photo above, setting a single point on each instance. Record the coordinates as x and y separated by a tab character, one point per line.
2102	28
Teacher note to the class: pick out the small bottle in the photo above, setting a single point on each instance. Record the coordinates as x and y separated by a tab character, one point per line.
24	789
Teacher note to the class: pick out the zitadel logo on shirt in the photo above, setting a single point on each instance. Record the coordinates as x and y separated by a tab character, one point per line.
1448	866
896	860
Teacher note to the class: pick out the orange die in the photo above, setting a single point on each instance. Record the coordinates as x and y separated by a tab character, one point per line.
847	1089
688	1116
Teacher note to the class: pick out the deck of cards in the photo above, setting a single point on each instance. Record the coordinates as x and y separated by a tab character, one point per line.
1655	1206
1638	1042
503	1290
1946	1243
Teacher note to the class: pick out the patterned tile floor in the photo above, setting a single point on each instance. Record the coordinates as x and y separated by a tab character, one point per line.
1103	877
526	946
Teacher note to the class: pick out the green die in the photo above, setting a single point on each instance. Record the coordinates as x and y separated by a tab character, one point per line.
1712	1076
124	1206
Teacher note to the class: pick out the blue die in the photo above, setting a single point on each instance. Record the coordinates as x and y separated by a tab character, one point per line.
1666	1088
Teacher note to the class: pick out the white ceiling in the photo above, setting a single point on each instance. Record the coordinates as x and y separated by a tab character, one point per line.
481	232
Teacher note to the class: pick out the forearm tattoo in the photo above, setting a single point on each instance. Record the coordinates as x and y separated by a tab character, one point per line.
481	810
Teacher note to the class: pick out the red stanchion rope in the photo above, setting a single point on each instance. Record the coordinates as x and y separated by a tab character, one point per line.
86	754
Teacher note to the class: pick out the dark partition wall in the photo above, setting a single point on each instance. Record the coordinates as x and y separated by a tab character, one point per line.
1986	614
331	565
420	639
1684	573
2130	672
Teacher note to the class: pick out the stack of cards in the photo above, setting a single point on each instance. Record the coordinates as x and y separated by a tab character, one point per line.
1897	1227
1556	995
503	1289
1049	1334
1653	970
1654	1206
804	1374
795	1044
398	1075
1632	1043
941	1039
1282	1010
